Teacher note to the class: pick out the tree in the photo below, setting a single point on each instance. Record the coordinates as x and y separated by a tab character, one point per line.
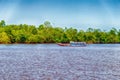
90	36
32	29
71	34
81	35
112	36
47	24
97	33
2	23
33	39
46	33
4	38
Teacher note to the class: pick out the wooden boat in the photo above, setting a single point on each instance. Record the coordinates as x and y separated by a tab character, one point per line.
73	44
63	44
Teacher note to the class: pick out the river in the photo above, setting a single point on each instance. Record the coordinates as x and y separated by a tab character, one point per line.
53	62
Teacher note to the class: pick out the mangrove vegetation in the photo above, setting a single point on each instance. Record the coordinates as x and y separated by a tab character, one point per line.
46	33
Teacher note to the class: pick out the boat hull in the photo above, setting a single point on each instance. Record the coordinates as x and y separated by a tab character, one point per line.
63	44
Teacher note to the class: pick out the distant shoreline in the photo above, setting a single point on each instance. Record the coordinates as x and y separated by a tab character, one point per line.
56	43
46	33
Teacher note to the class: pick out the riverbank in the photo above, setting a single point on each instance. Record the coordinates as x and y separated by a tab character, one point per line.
58	43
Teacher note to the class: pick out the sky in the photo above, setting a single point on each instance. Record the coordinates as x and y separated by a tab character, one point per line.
103	14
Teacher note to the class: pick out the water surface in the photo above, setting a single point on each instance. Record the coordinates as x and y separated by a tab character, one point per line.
53	62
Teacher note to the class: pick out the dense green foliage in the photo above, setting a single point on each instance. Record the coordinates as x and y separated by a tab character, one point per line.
45	33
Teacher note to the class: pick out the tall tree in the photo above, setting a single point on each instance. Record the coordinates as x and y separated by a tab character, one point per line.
2	23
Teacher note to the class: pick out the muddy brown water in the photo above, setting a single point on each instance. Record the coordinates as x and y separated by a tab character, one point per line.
53	62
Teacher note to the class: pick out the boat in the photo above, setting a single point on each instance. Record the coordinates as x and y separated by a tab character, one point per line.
78	44
63	44
73	44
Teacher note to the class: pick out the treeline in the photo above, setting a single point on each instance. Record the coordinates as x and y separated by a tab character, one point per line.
46	33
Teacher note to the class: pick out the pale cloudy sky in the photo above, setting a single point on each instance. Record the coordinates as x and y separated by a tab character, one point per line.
70	13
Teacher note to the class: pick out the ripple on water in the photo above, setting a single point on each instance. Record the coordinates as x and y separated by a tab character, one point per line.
42	62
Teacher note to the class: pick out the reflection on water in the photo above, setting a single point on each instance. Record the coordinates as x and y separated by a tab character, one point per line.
53	62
